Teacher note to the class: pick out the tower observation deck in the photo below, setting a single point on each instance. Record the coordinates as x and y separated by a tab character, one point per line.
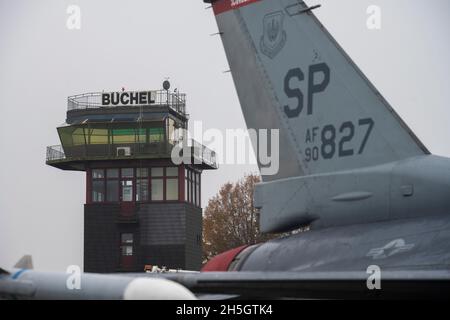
141	208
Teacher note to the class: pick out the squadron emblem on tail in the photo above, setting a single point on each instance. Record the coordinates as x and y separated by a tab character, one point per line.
274	36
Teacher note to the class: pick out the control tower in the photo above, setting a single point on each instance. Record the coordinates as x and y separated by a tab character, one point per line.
141	208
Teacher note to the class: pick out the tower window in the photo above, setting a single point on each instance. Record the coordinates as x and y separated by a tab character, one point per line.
172	189
192	187
127	190
172	172
157	172
98	191
142	185
112	190
98	185
98	173
157	189
142	172
127	242
127	238
112	173
141	190
127	173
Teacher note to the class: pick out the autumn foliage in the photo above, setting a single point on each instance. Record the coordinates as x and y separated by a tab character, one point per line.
230	220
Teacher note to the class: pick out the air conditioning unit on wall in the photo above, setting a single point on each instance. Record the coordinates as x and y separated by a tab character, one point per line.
123	151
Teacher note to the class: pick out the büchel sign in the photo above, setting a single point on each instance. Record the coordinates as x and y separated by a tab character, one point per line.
127	98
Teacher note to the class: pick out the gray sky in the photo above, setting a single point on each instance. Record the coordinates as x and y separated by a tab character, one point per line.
136	44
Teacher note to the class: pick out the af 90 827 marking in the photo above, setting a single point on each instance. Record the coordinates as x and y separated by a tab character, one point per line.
334	142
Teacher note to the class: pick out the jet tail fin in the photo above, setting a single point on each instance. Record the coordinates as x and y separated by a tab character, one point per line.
26	262
290	74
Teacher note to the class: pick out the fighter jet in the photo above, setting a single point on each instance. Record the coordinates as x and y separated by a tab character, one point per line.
371	193
374	199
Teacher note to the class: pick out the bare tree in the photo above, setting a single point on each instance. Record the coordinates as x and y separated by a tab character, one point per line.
230	220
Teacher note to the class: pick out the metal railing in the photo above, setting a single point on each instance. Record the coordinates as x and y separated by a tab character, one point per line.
55	153
200	153
204	154
93	100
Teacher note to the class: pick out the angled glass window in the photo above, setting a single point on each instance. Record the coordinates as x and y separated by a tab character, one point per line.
123	136
156	134
98	136
65	135
78	137
141	135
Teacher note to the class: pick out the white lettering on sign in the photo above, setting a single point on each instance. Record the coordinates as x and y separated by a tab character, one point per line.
128	98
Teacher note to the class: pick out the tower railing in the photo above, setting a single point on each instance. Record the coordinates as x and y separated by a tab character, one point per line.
57	153
203	153
93	100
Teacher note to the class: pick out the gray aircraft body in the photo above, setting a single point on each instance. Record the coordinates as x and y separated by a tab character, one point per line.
350	169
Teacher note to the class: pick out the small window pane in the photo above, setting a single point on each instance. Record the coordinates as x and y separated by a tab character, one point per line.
112	189
141	135
98	136
78	137
98	173
112	173
142	190
127	190
127	250
127	238
156	134
157	172
157	190
127	172
124	135
142	172
172	189
172	171
98	191
186	191
197	195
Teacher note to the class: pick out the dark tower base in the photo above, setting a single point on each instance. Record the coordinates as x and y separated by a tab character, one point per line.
163	235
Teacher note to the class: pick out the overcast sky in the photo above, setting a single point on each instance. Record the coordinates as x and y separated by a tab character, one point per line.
136	44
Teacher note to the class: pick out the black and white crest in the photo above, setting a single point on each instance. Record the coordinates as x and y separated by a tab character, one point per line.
274	36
